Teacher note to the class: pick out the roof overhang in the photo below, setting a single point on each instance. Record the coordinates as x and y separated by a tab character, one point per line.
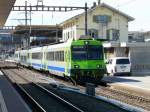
37	30
135	44
125	44
111	44
5	8
129	18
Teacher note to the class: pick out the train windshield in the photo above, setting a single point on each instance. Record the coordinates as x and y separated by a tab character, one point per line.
87	52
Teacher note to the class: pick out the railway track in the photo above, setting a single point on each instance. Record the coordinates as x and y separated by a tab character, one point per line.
124	96
45	100
84	102
119	95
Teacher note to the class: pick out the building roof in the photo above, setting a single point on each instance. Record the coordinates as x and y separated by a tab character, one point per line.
5	8
117	11
125	44
106	6
147	33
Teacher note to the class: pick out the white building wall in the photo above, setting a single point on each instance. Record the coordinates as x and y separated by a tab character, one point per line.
120	52
117	22
69	32
139	54
140	60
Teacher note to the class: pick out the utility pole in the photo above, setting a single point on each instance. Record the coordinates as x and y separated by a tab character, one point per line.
99	2
40	7
26	14
30	30
86	29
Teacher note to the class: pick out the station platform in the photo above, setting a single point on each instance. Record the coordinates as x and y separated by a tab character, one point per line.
137	84
7	64
10	100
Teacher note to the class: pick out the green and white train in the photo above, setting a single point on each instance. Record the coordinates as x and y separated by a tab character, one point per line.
80	60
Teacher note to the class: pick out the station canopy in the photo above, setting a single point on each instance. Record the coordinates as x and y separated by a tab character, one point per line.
38	30
5	9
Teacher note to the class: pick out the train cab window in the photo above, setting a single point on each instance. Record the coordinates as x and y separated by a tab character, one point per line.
95	52
87	52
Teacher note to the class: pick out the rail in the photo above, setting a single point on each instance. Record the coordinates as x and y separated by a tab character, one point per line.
49	93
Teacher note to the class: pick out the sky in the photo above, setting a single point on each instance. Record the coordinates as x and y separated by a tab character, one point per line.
138	9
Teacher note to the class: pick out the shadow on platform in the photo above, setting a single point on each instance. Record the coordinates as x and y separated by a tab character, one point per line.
112	79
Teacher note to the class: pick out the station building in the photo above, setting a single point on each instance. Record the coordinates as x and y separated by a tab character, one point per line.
106	22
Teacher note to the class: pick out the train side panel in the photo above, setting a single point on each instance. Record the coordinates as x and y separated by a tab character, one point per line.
29	58
24	57
44	61
36	58
57	59
17	56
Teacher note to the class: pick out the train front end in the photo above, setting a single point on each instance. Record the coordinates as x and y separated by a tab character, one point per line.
87	61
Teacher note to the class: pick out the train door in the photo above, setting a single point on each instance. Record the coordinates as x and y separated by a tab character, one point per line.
30	58
26	58
19	57
67	60
44	60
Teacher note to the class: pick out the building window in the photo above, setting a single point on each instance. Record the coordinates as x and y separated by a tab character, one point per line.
68	36
64	35
113	34
73	34
101	18
93	33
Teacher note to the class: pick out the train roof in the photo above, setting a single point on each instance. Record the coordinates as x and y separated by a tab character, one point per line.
36	49
68	43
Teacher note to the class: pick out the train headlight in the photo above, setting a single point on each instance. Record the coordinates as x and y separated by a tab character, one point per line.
76	66
98	66
86	43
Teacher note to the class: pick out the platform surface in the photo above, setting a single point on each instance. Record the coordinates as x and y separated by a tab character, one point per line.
141	82
10	100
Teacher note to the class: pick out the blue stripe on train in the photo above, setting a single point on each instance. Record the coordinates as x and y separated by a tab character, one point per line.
56	68
50	67
35	64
